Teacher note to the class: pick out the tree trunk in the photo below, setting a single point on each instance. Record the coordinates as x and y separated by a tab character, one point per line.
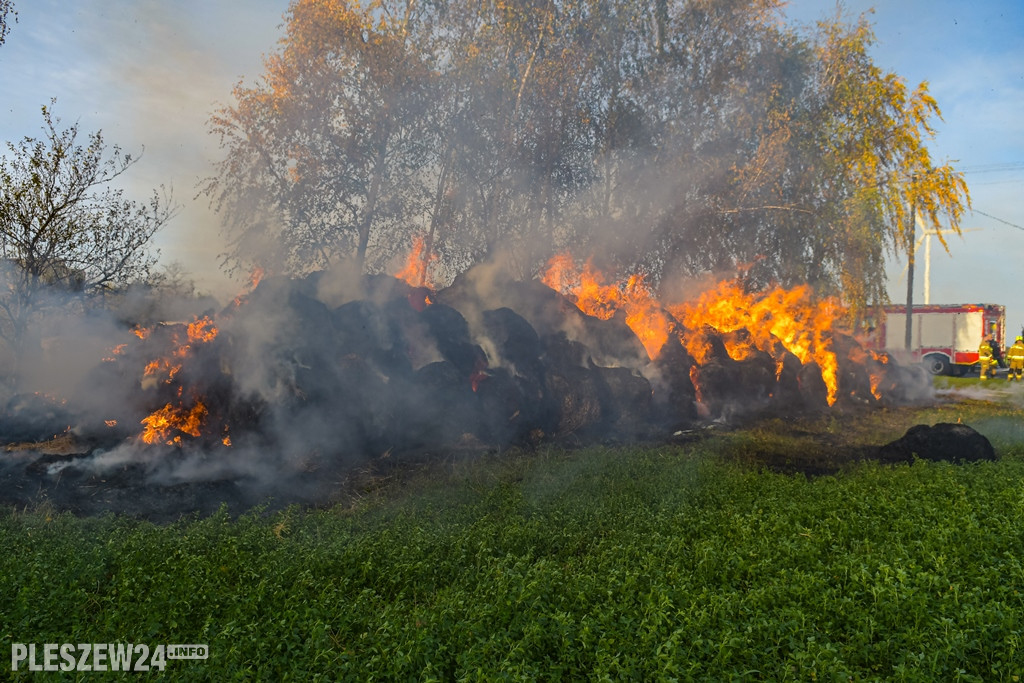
376	179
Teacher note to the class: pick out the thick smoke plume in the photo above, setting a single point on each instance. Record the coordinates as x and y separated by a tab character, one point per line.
292	387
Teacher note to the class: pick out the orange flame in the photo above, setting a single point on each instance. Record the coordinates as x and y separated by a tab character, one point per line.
255	276
779	316
116	351
787	316
160	423
417	265
201	330
874	363
644	315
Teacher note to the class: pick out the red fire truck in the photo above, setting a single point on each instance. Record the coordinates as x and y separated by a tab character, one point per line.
944	337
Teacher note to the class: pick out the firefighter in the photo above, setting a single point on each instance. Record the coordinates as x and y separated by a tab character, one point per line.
985	359
997	350
1015	357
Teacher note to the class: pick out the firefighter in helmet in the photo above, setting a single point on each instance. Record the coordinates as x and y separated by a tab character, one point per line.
986	361
1015	358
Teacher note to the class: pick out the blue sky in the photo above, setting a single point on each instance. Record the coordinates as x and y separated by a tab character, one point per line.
149	72
972	56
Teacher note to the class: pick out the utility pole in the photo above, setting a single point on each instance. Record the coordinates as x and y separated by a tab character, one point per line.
910	278
927	265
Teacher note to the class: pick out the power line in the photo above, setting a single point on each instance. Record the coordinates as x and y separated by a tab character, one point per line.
988	215
992	168
1011	181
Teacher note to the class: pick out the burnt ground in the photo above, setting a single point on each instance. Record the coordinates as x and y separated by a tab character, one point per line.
56	473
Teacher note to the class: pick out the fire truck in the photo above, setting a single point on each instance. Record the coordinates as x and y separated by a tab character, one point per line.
944	337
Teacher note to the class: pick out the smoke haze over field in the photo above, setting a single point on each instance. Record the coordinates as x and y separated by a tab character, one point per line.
147	74
149	77
299	383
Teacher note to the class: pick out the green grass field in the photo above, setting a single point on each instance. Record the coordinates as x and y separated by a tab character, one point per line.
674	562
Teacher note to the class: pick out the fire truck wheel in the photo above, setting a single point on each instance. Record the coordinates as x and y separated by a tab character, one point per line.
936	364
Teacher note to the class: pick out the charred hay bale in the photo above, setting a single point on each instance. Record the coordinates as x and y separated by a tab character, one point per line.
787	378
571	391
575	396
272	294
813	390
282	329
900	384
856	372
109	400
625	401
450	333
464	296
720	392
945	441
756	374
304	352
283	359
674	396
312	318
611	342
381	288
717	378
755	369
365	403
514	340
560	351
34	417
361	328
548	311
510	409
364	329
436	408
319	413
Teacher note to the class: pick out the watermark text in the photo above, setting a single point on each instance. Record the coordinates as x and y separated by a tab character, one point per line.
100	656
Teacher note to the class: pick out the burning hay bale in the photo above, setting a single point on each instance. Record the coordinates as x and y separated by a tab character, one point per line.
289	383
610	342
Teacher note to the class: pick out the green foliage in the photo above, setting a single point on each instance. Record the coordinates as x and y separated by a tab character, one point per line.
676	138
64	229
608	564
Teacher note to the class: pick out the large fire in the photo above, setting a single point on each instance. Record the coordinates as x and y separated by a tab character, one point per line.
775	320
595	296
191	393
791	317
